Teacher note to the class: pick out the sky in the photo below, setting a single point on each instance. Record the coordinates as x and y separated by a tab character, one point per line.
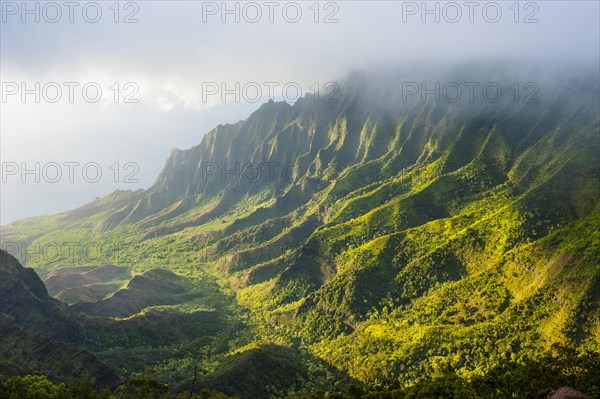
139	78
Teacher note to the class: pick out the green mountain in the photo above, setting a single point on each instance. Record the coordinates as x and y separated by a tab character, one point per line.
382	237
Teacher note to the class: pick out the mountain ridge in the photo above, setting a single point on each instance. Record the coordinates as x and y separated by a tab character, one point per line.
38	332
408	238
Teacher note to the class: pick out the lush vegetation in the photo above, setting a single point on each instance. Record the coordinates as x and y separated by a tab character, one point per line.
40	387
413	250
537	378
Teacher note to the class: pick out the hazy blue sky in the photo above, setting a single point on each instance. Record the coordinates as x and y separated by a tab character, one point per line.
176	49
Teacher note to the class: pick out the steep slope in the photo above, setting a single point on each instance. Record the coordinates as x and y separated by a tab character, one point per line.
25	299
37	332
393	237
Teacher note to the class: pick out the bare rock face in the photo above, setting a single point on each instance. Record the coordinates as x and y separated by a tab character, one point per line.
566	393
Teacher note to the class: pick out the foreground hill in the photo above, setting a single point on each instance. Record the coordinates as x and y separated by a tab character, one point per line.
38	334
393	237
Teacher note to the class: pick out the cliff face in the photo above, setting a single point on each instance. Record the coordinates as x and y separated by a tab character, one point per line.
369	124
38	334
408	233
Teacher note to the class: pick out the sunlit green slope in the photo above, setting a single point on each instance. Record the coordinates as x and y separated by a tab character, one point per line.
390	237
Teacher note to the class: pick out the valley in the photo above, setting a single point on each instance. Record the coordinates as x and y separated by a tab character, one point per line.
407	242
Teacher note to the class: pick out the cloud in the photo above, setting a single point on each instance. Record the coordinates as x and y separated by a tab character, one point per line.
171	55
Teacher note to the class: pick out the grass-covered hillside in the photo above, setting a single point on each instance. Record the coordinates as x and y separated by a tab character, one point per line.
379	240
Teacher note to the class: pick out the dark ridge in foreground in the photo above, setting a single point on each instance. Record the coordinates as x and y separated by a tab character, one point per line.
38	335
